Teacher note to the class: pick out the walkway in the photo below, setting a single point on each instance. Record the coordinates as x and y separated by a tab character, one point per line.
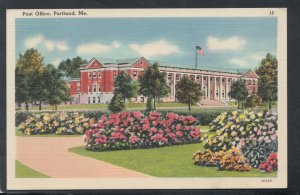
50	156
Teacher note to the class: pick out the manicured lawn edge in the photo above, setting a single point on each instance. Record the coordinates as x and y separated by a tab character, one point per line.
22	171
170	161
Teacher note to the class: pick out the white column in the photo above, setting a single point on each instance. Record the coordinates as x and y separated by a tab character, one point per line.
226	90
215	88
174	84
221	88
201	82
208	86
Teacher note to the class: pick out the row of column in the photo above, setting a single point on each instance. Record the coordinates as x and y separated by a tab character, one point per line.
216	94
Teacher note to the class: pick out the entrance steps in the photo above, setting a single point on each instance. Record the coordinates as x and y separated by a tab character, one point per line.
212	103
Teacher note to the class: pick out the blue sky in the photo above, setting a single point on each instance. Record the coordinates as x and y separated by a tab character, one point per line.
238	43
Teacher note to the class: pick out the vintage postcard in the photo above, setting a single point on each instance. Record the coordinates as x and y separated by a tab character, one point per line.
146	98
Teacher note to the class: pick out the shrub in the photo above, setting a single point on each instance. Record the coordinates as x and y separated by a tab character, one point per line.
117	103
253	101
22	116
127	130
231	160
59	123
271	164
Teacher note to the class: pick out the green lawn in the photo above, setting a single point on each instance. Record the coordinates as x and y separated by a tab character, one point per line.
23	171
173	161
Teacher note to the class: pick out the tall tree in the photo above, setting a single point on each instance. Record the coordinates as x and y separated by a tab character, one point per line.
267	83
153	83
239	92
188	91
70	67
57	90
29	68
117	104
125	86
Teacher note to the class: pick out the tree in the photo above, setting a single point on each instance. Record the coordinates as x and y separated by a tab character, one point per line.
28	69
71	67
125	86
253	101
57	90
153	83
117	104
239	92
188	91
267	83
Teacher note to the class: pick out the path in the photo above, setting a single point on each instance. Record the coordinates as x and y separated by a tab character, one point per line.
50	156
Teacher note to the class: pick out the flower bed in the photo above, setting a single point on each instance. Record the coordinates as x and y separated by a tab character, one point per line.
254	134
59	123
134	130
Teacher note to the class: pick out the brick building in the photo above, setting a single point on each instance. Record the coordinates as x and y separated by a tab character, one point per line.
96	81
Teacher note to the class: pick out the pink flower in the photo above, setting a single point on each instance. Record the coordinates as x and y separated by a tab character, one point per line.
270	168
179	133
178	127
272	156
263	165
137	114
133	139
164	140
187	128
123	115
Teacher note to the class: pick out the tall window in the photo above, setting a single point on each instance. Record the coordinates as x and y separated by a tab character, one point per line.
94	100
94	88
90	75
99	74
89	100
94	74
134	73
98	99
90	88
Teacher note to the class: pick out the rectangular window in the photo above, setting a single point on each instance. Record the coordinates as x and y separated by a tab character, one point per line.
89	100
90	75
177	77
99	74
134	73
142	99
94	100
98	99
94	74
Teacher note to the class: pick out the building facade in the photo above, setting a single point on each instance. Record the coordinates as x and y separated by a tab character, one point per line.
96	82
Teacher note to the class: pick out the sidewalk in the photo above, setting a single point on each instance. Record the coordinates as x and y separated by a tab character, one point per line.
50	156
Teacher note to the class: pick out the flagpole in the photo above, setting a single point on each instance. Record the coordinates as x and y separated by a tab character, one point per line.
196	63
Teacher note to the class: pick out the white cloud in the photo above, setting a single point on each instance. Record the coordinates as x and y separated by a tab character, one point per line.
239	62
257	57
56	62
95	48
50	45
231	43
33	41
116	44
156	48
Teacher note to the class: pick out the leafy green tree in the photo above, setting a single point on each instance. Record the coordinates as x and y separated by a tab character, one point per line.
153	83
71	67
57	90
239	92
117	104
188	91
149	105
253	101
267	83
29	69
125	86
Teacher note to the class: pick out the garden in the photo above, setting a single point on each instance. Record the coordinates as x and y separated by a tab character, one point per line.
168	144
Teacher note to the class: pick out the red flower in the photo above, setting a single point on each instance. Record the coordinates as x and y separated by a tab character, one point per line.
270	168
137	114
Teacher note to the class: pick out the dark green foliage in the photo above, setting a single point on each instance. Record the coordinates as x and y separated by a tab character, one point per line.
257	152
268	75
117	104
125	86
149	105
239	92
188	91
70	67
22	116
253	101
153	83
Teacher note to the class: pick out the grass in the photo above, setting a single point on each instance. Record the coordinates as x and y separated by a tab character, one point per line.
23	171
19	133
172	161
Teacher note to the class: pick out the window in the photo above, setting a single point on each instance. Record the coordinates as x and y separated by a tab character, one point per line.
89	100
94	100
114	73
90	88
94	88
177	77
99	74
94	74
99	89
198	77
90	75
142	99
170	76
134	73
253	82
98	99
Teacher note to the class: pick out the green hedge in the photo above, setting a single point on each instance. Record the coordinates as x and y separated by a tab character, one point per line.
204	116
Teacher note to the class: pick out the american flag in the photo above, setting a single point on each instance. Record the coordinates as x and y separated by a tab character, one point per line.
200	51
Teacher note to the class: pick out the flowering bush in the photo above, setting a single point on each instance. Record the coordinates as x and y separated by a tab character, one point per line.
270	165
135	130
59	123
231	159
